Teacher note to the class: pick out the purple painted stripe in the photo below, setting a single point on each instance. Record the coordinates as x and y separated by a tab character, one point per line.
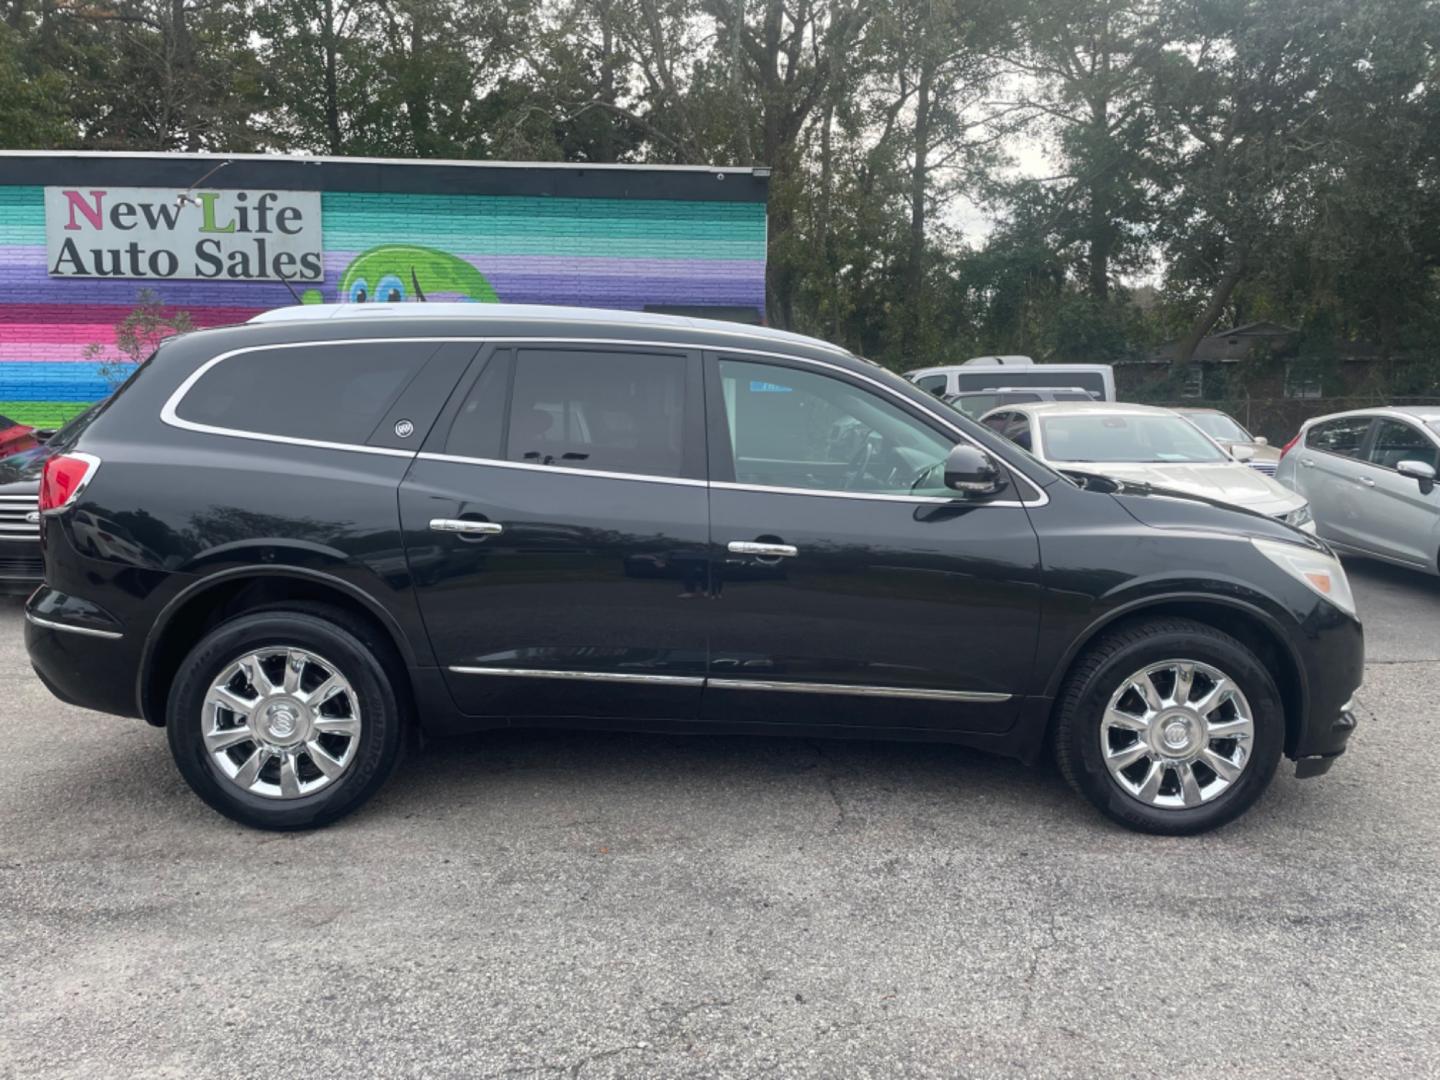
30	268
336	261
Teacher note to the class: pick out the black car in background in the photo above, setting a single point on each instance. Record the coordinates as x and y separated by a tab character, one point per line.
21	565
296	542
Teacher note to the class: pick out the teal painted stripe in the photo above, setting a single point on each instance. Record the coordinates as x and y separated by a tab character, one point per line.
531	206
497	225
22	215
501	225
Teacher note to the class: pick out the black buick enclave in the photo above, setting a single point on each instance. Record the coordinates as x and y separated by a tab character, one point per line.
295	543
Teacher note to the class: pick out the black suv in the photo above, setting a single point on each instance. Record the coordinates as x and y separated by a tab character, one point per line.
296	542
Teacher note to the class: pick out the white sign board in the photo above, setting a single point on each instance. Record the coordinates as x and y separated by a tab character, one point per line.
161	233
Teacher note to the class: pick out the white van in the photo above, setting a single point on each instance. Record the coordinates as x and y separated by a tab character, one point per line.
1014	372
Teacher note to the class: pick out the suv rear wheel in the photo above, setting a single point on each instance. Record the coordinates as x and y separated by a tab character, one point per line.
1169	726
285	719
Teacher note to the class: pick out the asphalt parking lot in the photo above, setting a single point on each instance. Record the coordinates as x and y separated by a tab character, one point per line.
585	906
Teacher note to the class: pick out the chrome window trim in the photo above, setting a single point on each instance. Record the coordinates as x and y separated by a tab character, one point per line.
84	630
568	470
169	416
843	689
588	676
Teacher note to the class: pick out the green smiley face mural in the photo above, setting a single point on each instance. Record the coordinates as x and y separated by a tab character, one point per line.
394	273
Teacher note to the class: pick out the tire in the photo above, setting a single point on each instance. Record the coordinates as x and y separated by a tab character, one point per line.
1092	726
356	733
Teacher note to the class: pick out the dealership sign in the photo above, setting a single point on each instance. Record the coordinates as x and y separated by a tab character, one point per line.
110	232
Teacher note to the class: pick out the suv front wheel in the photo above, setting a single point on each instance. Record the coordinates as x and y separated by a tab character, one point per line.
1169	726
285	719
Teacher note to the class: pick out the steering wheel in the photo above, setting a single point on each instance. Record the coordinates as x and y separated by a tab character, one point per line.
861	462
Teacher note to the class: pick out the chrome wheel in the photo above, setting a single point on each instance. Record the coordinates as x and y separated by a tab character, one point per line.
1177	734
281	722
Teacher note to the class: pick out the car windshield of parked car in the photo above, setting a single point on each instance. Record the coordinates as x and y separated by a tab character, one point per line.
1219	426
1125	437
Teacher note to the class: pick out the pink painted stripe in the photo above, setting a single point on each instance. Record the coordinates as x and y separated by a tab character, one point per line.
37	353
50	333
22	314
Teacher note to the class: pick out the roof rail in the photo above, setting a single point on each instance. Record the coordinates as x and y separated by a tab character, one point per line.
546	312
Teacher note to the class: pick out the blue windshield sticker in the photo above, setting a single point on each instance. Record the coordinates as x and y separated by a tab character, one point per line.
759	386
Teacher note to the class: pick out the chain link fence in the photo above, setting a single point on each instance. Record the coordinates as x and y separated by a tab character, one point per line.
1278	419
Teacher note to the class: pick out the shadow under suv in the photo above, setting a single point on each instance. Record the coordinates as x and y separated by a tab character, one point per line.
296	542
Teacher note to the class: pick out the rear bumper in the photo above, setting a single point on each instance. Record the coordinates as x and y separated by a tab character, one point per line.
81	656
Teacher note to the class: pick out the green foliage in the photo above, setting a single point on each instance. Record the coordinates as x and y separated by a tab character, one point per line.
1188	165
137	336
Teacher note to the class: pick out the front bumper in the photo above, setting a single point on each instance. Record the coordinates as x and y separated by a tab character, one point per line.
1332	657
1340	732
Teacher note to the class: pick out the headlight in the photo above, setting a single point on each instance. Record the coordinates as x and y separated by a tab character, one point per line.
1299	516
1321	572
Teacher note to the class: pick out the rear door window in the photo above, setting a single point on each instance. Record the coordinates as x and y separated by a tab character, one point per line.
1343	436
609	410
332	392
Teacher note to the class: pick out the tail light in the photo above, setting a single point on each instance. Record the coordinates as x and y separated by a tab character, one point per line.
65	476
1291	444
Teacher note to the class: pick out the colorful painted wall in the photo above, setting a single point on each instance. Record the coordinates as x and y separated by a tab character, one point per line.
621	238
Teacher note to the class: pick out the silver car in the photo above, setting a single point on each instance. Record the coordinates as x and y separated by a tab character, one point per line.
1370	477
1254	450
1146	445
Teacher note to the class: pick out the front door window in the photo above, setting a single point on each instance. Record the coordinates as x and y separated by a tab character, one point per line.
797	429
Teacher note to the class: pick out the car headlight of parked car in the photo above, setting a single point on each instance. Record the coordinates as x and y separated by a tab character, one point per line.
1319	571
1299	516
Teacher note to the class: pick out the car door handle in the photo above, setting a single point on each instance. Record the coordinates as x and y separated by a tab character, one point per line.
1309	463
1366	481
769	551
468	528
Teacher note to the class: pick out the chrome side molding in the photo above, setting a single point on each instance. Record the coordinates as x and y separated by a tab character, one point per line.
845	689
84	631
591	676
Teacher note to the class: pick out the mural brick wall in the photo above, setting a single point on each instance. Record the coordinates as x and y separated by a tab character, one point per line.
603	238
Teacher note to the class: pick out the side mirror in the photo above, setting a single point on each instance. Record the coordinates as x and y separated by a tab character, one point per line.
1242	453
972	472
1417	470
1261	440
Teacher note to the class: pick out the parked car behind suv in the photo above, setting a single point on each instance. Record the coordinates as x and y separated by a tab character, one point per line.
1143	444
340	526
21	563
1253	450
976	403
1370	477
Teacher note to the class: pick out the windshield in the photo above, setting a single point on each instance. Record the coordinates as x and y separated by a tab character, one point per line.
1219	426
1133	437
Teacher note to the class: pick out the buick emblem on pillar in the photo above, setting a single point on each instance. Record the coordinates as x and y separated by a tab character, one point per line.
404	428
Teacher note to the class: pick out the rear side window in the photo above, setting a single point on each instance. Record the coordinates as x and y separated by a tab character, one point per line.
597	409
326	393
1343	436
